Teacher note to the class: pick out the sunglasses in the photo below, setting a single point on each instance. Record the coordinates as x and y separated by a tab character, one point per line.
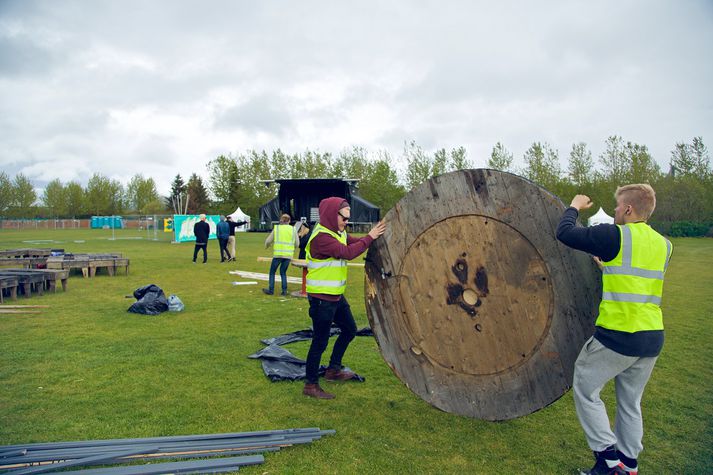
345	218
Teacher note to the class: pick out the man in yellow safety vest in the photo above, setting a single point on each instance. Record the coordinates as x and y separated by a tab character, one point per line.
328	250
284	240
628	334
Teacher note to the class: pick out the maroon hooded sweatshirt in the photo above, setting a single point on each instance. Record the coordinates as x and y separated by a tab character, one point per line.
324	246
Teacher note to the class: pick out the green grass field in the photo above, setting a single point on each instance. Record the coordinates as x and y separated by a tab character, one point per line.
86	369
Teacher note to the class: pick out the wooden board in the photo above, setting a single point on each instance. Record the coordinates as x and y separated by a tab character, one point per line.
475	305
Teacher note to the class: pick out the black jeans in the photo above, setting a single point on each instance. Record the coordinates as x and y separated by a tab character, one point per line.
323	313
283	264
223	242
205	251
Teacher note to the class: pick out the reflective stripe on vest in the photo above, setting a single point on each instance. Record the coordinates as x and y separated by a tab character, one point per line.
632	283
326	276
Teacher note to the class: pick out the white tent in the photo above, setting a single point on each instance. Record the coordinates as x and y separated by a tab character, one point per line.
600	217
238	215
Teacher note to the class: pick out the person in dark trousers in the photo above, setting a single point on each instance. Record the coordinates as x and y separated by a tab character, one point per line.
283	239
231	235
201	230
628	335
303	234
223	231
328	250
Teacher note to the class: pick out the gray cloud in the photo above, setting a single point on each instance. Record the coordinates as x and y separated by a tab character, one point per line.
263	114
163	87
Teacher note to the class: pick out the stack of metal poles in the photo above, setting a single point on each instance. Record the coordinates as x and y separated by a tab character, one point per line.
217	453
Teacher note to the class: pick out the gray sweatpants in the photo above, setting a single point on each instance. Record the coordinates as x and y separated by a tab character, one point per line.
595	366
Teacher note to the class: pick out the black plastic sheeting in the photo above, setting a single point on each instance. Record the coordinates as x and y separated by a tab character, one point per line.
151	300
280	364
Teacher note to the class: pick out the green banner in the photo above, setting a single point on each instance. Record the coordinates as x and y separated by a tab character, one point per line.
183	226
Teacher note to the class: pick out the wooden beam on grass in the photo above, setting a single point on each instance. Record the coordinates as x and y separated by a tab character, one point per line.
24	306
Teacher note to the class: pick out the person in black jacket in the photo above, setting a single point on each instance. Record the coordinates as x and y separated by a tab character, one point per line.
201	230
231	236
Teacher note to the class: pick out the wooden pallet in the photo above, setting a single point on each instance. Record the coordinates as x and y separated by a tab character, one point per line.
51	277
89	263
8	284
28	281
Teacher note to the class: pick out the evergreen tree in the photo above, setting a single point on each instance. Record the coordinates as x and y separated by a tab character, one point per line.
198	201
177	199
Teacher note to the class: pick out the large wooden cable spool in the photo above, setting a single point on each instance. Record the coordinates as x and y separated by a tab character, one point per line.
474	303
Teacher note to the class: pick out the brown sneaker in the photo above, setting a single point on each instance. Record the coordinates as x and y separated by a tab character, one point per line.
313	390
338	375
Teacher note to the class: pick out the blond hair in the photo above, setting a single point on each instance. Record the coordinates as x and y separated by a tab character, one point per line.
285	219
640	196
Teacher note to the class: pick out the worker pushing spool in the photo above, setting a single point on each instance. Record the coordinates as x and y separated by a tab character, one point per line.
475	305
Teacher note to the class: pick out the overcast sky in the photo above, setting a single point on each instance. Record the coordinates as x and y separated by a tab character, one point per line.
162	87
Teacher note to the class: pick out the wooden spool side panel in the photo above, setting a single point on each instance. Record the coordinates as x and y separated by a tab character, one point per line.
546	373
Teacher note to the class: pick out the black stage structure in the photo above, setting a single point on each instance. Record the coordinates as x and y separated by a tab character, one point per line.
300	199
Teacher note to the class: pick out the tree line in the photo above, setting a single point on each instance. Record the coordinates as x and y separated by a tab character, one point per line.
684	190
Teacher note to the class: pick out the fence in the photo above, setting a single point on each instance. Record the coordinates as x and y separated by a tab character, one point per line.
127	222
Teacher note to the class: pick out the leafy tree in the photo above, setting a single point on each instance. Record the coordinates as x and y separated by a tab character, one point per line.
116	197
418	165
6	192
701	158
614	161
76	199
459	160
440	162
380	184
500	158
54	198
104	197
223	179
643	168
198	201
691	159
352	163
542	166
581	165
156	206
24	195
317	165
140	192
253	168
279	165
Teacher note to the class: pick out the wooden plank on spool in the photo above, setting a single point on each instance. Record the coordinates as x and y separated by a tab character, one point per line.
475	305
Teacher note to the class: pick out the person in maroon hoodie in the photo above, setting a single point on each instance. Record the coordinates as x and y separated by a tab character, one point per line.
328	250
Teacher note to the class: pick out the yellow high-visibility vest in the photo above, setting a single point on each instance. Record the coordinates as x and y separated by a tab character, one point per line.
632	283
284	241
326	276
